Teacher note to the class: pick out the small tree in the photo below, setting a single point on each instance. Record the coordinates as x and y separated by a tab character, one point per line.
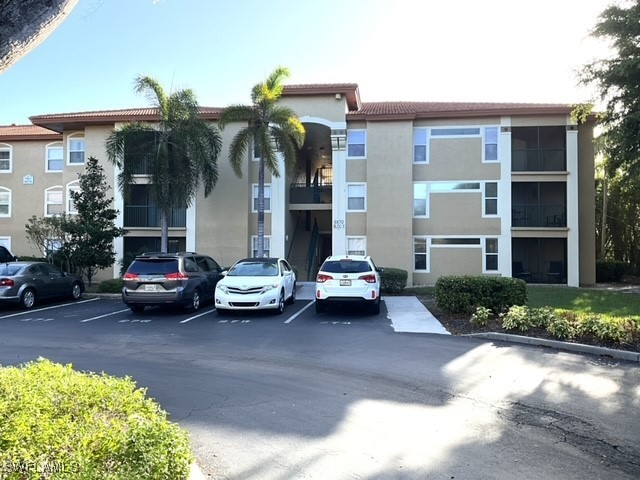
90	233
46	234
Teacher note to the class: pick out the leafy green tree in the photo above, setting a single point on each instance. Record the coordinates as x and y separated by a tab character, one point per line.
46	234
90	232
181	150
271	128
617	80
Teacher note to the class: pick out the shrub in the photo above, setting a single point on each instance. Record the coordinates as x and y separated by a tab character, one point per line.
90	425
462	294
610	270
541	317
518	317
481	317
113	285
393	280
561	327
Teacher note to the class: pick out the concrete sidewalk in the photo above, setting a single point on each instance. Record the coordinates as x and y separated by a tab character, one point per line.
409	315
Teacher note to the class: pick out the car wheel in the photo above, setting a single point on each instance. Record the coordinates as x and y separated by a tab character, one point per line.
137	308
320	306
280	308
76	291
28	298
292	298
195	301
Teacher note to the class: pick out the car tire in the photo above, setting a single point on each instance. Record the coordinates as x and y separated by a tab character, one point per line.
375	308
292	298
320	306
194	305
137	308
76	291
28	298
281	302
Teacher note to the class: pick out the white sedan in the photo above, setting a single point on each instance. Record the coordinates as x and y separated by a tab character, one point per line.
256	284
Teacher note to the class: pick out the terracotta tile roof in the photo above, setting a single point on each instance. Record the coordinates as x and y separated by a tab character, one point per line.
412	110
27	132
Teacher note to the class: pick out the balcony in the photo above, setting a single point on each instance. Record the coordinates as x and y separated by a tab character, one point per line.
539	216
140	163
301	193
539	160
148	216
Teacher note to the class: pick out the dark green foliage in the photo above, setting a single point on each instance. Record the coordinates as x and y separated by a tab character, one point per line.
463	294
393	280
610	271
110	286
89	426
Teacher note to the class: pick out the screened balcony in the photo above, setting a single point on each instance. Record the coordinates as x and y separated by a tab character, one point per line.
539	149
539	204
148	216
301	193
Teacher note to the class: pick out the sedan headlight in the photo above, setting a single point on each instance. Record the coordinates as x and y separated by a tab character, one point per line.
267	288
222	288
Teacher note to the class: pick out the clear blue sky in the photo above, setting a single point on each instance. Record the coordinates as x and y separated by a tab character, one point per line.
467	50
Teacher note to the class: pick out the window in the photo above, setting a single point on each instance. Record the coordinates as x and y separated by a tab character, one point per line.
256	152
491	198
420	253
5	202
53	201
76	150
454	132
71	205
5	158
491	254
420	145
266	248
54	157
491	144
420	199
455	241
448	187
356	197
267	198
52	245
356	245
356	143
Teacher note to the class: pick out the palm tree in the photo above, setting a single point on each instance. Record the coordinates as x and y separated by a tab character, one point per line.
181	149
270	129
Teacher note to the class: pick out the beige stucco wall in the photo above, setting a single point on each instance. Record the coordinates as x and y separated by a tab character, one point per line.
540	121
450	261
321	106
456	159
456	214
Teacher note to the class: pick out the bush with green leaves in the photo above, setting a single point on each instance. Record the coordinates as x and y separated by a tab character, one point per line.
393	280
562	327
113	285
518	317
86	425
611	270
481	316
463	294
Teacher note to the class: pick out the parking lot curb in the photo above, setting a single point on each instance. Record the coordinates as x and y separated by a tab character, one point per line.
573	347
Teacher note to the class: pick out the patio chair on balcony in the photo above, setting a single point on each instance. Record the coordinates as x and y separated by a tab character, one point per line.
518	271
556	272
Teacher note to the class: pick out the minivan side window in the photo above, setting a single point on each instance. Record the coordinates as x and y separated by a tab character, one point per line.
190	265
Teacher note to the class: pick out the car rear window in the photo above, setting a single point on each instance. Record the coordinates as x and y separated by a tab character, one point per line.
10	270
346	266
154	266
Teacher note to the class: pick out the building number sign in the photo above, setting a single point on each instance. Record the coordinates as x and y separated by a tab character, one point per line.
338	224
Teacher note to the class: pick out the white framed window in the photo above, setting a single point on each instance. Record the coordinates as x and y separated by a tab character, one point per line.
455	132
266	248
420	254
420	145
5	202
420	200
267	197
52	245
71	205
490	141
75	147
6	158
491	198
356	143
54	157
490	254
356	197
53	204
5	242
356	245
455	187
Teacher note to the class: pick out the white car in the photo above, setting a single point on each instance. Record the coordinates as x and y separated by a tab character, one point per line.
255	284
346	279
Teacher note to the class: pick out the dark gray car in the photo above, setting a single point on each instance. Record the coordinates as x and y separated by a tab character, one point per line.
28	282
183	278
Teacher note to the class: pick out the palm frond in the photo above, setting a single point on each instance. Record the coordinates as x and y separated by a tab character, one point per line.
236	113
238	148
153	91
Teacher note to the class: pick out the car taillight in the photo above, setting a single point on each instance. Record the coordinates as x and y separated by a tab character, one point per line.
321	278
130	276
368	278
6	282
176	276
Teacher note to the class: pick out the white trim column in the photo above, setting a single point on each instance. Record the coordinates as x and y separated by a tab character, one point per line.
278	210
190	240
118	204
505	260
339	191
573	236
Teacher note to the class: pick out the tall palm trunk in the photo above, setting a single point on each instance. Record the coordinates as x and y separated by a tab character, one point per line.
261	207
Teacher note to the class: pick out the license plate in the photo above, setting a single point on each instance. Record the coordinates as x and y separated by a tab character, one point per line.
345	283
150	288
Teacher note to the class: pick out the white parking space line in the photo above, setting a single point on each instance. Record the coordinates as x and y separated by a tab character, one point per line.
32	311
196	316
292	317
102	316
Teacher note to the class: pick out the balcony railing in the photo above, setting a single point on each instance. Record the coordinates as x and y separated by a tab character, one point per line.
546	216
538	160
146	216
140	163
303	193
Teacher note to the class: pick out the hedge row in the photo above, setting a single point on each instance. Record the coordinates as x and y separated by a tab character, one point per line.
463	294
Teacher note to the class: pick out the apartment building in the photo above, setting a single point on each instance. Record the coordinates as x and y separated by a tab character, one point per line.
436	189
